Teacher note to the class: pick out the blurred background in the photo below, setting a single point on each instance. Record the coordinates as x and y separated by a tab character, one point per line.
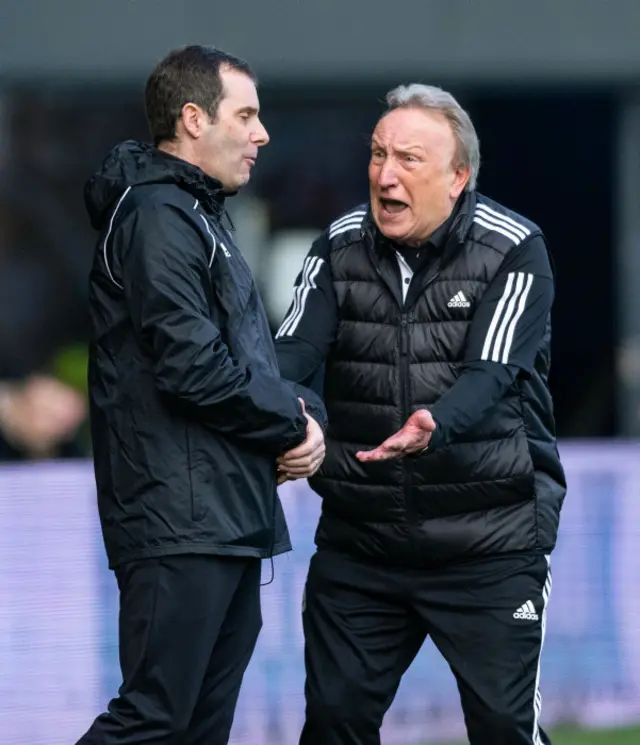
554	91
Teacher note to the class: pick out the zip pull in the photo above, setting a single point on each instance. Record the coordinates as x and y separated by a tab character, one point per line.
232	227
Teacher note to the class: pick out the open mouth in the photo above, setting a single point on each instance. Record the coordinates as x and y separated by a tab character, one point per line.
392	206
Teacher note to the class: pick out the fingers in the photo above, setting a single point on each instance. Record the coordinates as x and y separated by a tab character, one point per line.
393	447
313	442
303	461
306	474
301	466
380	453
302	458
397	446
300	453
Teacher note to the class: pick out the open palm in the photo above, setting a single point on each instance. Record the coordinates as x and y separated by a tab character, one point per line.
413	437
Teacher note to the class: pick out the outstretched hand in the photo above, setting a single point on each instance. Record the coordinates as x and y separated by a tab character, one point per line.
412	438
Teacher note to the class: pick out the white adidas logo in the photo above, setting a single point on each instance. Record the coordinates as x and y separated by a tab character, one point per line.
526	612
459	301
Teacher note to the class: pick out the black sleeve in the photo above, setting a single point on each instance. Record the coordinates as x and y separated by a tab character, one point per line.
478	388
165	272
504	339
300	362
309	328
313	402
511	318
313	314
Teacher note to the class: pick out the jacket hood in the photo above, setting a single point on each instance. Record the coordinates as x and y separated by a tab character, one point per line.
134	163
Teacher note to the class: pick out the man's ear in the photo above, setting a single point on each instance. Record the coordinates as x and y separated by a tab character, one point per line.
192	118
461	179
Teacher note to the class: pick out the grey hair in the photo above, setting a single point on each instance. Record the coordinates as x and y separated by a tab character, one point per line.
433	98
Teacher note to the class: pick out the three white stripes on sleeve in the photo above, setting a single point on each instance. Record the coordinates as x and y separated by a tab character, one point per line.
310	269
499	338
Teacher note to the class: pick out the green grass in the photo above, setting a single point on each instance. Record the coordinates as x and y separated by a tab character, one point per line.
596	737
593	737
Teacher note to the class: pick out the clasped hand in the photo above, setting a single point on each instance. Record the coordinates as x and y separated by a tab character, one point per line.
304	460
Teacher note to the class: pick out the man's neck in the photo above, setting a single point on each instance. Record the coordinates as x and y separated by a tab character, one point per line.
179	150
436	237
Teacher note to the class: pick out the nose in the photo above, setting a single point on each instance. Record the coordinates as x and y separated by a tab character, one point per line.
387	176
260	136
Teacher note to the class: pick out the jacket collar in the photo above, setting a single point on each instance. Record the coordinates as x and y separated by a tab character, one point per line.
458	231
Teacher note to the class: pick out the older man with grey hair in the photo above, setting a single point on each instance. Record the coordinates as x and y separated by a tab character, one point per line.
425	317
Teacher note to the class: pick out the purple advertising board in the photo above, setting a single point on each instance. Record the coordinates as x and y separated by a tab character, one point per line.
58	613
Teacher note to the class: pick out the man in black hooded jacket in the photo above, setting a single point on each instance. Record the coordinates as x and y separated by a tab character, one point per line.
188	411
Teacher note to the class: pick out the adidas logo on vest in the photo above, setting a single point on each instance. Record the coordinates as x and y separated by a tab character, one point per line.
459	301
526	612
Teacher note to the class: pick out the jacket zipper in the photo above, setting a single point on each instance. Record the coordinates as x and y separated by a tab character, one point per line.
405	382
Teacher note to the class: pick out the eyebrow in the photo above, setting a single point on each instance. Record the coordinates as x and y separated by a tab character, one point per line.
399	149
247	110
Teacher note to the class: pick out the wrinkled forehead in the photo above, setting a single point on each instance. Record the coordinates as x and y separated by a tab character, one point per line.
414	127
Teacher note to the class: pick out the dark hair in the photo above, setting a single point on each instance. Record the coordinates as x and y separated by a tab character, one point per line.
187	75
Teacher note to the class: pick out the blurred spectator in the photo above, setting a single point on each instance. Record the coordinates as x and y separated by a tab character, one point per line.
43	278
39	419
